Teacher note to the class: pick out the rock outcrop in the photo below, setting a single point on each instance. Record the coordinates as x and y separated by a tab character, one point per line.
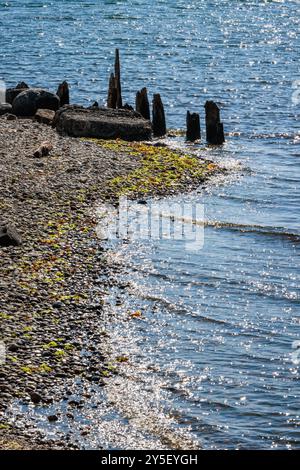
102	123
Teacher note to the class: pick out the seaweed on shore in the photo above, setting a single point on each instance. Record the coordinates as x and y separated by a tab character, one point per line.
160	170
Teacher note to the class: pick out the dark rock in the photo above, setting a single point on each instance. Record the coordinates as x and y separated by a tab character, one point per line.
74	403
63	93
43	150
13	347
57	305
5	108
44	116
29	101
142	103
214	127
10	117
9	236
102	123
35	397
52	418
158	117
159	144
192	127
12	93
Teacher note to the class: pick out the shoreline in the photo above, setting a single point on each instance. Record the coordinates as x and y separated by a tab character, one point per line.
50	318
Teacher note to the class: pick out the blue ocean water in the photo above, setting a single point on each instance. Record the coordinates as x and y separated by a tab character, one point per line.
218	326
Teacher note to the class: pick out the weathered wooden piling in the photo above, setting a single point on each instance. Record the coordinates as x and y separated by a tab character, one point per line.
128	107
63	93
118	79
158	117
193	131
142	103
214	127
112	93
114	98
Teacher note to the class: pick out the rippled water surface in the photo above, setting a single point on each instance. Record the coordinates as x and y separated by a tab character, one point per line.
218	326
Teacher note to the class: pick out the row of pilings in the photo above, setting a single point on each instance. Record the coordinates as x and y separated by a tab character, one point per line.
214	126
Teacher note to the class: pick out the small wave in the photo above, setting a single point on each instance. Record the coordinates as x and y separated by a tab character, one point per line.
258	229
275	135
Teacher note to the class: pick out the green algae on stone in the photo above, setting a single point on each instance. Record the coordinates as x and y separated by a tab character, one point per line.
160	170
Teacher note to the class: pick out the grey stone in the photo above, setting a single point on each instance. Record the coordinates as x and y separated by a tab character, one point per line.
5	108
44	116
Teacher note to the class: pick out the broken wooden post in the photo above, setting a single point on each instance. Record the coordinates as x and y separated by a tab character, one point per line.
158	117
118	79
142	103
63	93
112	93
214	127
128	107
114	98
193	131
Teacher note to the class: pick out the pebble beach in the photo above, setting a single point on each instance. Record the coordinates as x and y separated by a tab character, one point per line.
51	299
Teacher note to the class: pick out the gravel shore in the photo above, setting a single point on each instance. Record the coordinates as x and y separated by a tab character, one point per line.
50	317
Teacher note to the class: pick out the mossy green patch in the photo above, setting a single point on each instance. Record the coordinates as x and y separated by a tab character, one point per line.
44	368
160	169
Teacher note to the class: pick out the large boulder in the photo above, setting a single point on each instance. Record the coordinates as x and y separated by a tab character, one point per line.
102	123
12	93
29	101
9	236
5	108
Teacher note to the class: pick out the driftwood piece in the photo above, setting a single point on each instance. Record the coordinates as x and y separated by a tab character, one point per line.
63	93
193	131
158	117
214	127
43	150
142	103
